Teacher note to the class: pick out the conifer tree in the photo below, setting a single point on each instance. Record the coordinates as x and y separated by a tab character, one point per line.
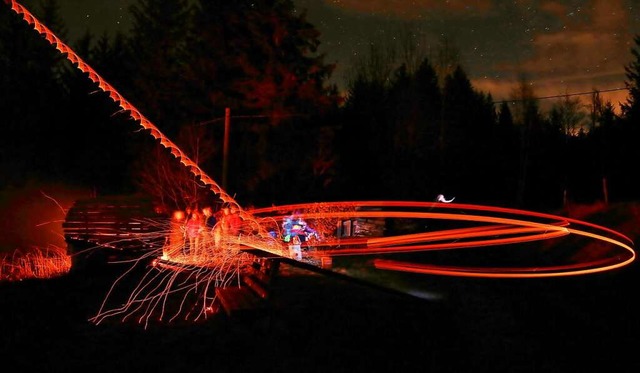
31	91
631	108
260	57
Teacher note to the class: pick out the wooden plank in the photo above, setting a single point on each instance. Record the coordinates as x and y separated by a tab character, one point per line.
261	276
237	300
256	285
253	293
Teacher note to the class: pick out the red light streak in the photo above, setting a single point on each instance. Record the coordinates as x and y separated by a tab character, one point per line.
512	227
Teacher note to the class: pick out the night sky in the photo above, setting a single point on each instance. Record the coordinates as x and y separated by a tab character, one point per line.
562	47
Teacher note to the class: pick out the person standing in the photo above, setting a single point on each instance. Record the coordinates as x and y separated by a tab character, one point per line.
235	222
295	251
175	239
210	221
210	218
218	229
193	230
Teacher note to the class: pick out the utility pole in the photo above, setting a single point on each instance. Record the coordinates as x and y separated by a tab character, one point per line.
225	149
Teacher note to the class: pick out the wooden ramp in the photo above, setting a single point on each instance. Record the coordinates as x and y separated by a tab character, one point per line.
251	295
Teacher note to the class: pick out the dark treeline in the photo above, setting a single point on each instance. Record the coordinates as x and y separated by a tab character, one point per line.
404	130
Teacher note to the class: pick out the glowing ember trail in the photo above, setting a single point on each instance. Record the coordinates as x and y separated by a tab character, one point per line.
181	284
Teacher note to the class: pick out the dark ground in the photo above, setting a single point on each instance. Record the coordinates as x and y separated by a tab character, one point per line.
325	324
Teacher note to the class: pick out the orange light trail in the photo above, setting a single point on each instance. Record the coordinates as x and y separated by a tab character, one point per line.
512	227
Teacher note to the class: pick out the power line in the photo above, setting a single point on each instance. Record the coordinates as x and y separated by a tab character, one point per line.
220	119
567	95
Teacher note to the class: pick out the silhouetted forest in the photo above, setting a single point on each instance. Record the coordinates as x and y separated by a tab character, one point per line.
403	130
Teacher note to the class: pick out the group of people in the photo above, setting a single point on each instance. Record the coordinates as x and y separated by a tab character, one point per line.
198	232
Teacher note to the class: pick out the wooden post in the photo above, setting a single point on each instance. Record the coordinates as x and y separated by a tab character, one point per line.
225	159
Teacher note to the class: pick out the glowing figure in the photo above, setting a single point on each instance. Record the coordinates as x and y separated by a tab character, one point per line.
295	251
176	238
440	198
